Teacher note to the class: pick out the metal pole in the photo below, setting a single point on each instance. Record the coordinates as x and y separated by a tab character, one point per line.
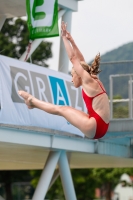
63	57
46	176
37	42
129	111
111	97
66	177
130	99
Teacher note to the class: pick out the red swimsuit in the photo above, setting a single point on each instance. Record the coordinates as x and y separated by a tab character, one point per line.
102	127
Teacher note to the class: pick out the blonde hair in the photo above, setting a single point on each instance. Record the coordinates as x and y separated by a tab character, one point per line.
94	68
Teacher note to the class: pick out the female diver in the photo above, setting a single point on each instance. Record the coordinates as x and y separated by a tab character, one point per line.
93	124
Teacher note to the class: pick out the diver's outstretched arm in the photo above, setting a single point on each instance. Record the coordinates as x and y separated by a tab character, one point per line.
67	44
77	52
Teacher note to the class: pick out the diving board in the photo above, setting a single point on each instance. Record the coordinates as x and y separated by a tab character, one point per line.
38	148
28	147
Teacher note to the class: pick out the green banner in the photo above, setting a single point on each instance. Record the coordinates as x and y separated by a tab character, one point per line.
42	18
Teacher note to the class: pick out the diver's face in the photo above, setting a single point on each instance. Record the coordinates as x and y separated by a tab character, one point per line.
76	79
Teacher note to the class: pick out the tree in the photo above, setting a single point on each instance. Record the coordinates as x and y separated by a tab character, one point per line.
14	39
107	178
56	190
86	181
8	177
82	179
120	109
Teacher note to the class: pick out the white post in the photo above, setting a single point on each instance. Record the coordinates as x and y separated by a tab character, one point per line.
130	99
63	57
46	176
111	96
66	177
2	20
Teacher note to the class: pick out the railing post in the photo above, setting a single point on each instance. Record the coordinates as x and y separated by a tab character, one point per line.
129	95
130	82
131	100
111	96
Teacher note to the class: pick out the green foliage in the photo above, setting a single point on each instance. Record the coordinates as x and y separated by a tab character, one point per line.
110	175
22	190
120	109
82	179
84	183
55	192
14	39
109	178
117	96
9	177
120	112
35	175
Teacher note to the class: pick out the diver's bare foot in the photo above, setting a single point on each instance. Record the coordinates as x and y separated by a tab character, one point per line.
28	98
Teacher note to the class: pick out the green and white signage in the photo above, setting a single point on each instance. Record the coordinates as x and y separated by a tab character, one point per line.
42	18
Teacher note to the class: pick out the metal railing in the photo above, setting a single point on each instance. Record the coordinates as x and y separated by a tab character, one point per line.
129	100
117	78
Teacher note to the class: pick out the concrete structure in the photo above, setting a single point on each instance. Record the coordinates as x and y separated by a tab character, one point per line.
24	148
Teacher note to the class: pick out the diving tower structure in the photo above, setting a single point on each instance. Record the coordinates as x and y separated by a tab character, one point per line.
34	140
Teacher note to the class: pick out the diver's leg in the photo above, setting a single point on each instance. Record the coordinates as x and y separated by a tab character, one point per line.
76	117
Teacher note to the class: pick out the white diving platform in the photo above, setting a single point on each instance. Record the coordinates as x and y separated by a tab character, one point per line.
33	139
29	147
56	152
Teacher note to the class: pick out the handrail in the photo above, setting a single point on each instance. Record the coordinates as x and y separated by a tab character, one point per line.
129	93
120	100
130	82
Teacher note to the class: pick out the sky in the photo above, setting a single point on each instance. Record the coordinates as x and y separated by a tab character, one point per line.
98	26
